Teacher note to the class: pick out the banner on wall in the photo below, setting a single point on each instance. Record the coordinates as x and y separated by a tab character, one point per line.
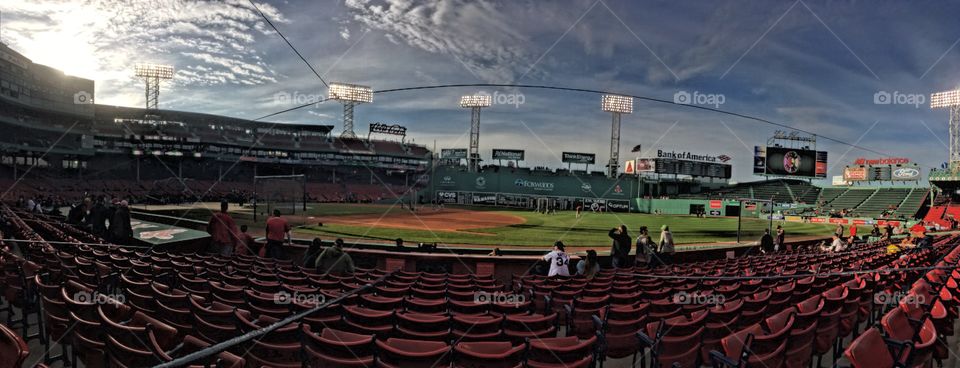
508	154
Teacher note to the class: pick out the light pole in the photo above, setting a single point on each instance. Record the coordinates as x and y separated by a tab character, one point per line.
475	103
152	74
349	95
950	100
616	105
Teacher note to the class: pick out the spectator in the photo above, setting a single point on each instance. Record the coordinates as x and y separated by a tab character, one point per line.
766	242
620	249
97	219
247	244
313	252
278	230
876	231
644	246
888	231
223	231
780	241
666	246
590	266
839	231
120	229
559	261
853	233
334	260
837	245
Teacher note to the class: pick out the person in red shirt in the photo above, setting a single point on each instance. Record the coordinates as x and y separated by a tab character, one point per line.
278	231
247	244
224	236
853	233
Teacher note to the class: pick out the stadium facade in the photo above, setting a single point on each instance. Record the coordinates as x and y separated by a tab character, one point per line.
56	136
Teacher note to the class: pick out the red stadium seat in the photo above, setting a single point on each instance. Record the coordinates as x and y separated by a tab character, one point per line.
397	353
489	354
338	349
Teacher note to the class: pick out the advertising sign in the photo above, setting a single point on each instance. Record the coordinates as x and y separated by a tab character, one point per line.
593	204
508	154
840	181
855	173
759	160
628	167
579	158
905	173
453	153
618	206
646	165
447	197
484	199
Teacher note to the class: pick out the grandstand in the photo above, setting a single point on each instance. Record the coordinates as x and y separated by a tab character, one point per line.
145	308
869	202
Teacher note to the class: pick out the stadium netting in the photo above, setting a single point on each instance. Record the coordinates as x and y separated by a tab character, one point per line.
286	193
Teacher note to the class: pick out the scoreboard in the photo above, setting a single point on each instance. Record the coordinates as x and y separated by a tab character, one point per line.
692	168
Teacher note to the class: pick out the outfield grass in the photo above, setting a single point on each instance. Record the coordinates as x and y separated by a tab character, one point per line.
590	230
537	230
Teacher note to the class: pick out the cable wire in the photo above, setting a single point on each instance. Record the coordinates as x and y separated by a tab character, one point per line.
288	43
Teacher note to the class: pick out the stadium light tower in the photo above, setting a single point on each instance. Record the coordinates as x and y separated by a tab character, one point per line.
475	103
950	100
349	95
617	105
152	74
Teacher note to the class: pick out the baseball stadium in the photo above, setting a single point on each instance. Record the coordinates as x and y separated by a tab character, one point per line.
148	236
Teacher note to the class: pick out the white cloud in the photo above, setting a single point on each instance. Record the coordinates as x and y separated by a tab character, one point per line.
101	40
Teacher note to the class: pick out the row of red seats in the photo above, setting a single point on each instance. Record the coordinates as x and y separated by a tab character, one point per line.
913	333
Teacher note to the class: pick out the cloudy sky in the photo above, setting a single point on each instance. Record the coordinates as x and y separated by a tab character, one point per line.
814	65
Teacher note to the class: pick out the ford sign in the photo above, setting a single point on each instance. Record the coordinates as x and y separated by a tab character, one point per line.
906	173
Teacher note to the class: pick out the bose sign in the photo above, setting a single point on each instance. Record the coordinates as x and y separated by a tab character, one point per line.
535	185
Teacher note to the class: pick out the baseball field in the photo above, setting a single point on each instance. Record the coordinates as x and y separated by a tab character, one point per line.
493	227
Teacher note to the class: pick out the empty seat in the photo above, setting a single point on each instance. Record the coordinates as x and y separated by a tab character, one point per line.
340	349
403	353
488	354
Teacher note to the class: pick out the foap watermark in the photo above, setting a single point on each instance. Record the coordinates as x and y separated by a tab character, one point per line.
499	298
498	98
685	298
899	98
697	98
99	298
897	298
296	98
283	298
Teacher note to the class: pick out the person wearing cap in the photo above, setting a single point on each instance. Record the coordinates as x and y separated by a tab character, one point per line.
559	260
120	229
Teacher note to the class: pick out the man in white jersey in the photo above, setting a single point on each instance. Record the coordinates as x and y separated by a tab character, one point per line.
559	261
